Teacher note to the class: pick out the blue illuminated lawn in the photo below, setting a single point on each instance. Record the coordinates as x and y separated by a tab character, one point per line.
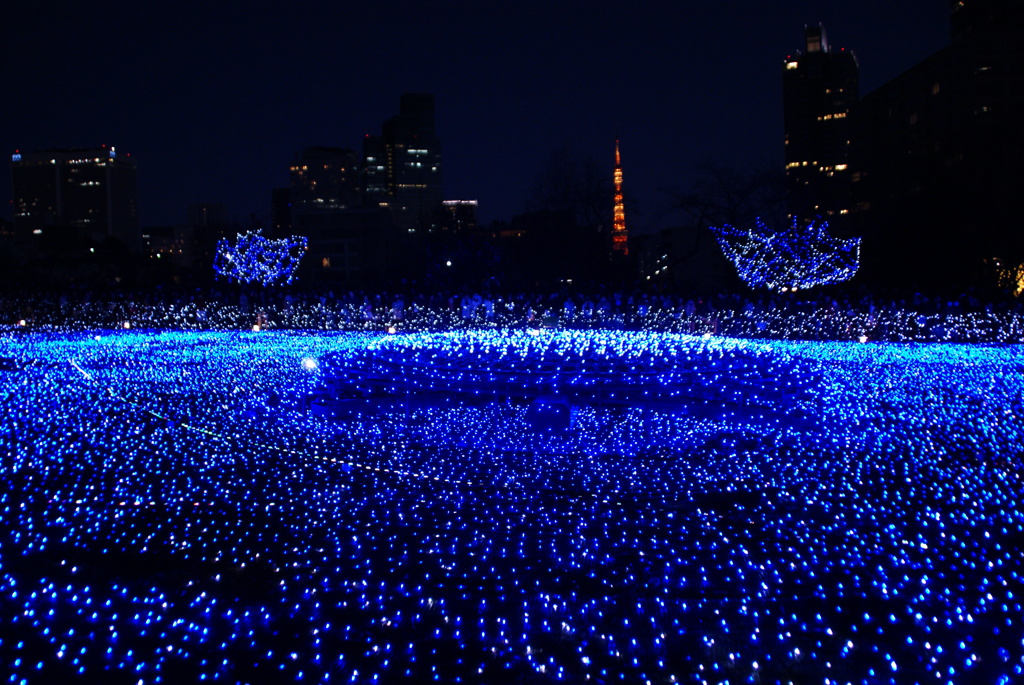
172	509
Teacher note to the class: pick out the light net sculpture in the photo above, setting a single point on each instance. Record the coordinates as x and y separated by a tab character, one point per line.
799	257
254	258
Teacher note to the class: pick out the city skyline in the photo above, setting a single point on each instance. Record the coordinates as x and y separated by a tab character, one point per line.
214	105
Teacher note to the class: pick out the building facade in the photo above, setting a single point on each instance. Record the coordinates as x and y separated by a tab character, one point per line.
90	190
456	216
324	178
402	166
347	243
937	158
820	88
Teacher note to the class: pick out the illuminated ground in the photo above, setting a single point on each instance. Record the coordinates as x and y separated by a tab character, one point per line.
174	509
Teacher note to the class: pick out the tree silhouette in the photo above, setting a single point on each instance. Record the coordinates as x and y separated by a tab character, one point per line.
568	183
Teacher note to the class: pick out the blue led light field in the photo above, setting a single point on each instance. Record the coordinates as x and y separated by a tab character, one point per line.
508	506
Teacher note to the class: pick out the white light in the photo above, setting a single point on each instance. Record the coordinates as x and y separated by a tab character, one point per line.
309	363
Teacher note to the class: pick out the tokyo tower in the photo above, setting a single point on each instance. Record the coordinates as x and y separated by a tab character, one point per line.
620	238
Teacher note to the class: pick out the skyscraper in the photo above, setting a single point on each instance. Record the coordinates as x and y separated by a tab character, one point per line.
324	178
93	190
345	242
402	166
819	87
620	237
456	216
937	158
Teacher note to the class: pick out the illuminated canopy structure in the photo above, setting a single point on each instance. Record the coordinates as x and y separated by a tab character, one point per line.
799	257
256	259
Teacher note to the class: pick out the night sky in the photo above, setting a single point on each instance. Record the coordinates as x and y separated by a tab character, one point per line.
214	99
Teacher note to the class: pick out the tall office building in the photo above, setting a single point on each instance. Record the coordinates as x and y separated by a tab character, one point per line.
456	216
92	190
324	178
937	158
346	243
402	166
820	87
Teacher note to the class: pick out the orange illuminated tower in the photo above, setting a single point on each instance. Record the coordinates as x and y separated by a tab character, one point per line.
620	238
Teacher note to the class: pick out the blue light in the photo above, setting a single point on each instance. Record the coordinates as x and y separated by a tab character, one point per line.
794	258
256	259
494	505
